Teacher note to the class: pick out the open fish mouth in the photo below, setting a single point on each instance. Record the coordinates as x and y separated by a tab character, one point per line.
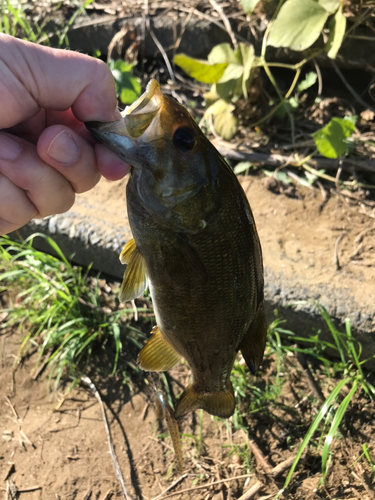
136	118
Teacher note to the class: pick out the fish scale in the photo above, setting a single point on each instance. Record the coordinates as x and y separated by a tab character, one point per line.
195	243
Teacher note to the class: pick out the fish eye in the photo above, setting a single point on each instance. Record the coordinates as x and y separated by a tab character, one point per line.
184	138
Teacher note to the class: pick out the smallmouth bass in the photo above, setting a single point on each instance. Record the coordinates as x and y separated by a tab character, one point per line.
196	246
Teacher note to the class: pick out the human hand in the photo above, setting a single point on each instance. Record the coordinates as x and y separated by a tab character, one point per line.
46	153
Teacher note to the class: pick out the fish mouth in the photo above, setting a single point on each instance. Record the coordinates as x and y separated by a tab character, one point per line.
136	118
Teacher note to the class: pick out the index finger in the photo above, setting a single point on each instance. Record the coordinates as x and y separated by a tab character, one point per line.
34	77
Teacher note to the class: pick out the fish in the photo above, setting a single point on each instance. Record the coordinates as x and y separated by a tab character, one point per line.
195	245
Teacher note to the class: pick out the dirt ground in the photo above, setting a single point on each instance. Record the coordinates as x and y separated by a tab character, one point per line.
57	448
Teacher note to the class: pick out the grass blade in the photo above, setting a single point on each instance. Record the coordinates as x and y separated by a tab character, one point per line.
334	426
322	412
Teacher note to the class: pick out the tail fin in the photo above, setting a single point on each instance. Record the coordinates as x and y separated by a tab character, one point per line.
221	404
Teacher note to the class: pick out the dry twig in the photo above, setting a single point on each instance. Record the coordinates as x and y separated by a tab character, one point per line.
226	22
336	260
276	160
203	486
309	376
115	462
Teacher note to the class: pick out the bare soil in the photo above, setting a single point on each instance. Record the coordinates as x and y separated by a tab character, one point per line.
56	447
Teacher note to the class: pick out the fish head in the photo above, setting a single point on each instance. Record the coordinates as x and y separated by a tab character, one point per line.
174	166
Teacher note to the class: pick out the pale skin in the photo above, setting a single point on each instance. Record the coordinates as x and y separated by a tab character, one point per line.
46	153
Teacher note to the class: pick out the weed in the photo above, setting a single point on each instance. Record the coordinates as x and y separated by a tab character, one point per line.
59	311
14	21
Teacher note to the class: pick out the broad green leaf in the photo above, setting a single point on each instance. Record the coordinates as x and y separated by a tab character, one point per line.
232	72
247	56
128	96
225	122
282	177
127	85
242	167
217	107
200	70
225	89
249	5
337	28
222	53
298	24
331	139
330	5
288	106
308	82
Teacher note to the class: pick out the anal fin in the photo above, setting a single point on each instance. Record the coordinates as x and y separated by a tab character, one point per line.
221	404
135	278
157	355
254	341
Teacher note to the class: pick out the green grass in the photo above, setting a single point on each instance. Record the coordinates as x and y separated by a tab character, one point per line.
345	379
59	312
14	21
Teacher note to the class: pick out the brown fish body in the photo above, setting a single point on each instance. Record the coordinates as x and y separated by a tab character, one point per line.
195	236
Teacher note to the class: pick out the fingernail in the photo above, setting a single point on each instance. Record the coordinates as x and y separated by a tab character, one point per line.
9	147
63	149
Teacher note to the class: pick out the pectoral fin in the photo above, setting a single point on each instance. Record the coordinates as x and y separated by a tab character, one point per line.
221	404
254	341
157	355
135	278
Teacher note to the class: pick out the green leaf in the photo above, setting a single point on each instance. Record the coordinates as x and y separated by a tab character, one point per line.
225	89
217	107
287	107
282	177
128	86
225	122
298	24
337	28
330	5
308	82
249	5
247	56
200	70
242	167
331	139
232	72
222	53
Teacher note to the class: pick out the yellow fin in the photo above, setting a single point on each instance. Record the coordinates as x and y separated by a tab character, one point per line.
254	341
135	278
157	355
221	404
127	251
